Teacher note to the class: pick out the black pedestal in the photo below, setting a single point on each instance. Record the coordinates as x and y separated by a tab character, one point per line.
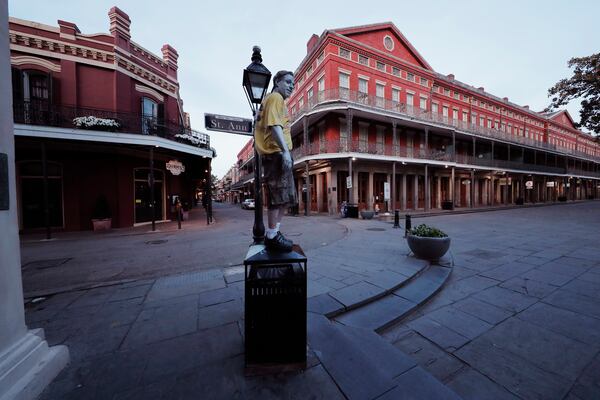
275	310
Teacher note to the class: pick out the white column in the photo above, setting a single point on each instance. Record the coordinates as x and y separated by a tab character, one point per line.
403	197
416	192
332	205
438	192
370	197
27	364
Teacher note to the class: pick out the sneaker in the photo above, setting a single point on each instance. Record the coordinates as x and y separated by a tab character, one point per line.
279	243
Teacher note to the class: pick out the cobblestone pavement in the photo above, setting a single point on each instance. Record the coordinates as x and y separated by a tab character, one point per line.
518	317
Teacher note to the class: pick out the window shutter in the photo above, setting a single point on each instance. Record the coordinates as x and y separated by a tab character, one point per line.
50	87
17	86
161	114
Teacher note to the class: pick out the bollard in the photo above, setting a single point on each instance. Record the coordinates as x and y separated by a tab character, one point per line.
407	225
396	219
178	208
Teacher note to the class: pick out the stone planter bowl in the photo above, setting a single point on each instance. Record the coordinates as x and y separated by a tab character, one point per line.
428	248
367	214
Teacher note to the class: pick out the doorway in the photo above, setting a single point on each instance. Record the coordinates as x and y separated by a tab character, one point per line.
143	205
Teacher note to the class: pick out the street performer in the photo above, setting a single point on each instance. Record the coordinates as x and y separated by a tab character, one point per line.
274	145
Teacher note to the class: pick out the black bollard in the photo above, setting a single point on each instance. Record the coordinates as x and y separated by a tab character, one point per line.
396	219
407	225
178	208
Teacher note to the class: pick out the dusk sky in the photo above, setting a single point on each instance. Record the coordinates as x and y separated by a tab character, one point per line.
516	49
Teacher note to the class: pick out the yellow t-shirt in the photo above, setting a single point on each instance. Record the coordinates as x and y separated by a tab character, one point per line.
272	112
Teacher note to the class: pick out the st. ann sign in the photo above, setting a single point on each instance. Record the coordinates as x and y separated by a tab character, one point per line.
175	167
223	123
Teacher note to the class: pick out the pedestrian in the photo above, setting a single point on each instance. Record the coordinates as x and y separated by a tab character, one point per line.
274	145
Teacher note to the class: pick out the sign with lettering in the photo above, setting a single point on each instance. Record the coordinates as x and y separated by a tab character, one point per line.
349	182
224	123
175	167
550	184
386	191
529	185
4	195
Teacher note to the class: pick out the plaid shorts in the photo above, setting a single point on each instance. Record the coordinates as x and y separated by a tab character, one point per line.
278	180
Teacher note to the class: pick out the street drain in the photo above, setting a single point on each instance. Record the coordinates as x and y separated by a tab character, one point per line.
157	241
376	229
45	264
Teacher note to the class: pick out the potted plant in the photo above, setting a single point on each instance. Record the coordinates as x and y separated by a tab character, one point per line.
95	123
447	205
427	242
101	217
367	214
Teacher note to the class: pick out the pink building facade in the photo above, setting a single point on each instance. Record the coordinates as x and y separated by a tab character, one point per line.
368	106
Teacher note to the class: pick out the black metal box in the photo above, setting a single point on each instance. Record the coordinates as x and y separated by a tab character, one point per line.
275	308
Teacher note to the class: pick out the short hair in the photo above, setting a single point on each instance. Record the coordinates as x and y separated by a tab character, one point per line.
279	75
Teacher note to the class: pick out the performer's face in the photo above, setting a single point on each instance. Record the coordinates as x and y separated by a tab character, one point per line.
285	86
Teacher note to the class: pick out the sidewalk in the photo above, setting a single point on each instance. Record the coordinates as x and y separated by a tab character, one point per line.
518	317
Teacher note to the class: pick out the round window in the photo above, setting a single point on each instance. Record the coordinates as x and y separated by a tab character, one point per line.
388	42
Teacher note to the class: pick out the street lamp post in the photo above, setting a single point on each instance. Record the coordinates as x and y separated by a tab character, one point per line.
255	82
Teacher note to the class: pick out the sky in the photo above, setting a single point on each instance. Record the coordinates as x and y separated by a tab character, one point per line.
517	49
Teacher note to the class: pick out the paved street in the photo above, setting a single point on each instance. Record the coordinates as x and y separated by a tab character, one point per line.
517	316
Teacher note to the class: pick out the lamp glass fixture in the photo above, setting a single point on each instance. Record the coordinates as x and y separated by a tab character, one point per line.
256	78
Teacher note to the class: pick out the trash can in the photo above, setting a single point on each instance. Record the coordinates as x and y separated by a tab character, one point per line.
352	210
275	309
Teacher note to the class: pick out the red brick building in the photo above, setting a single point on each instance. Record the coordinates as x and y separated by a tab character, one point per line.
92	113
368	105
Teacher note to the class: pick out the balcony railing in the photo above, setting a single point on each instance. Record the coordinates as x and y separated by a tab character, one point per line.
346	95
355	146
62	116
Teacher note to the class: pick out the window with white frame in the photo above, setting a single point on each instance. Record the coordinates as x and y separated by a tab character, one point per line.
363	86
434	108
380	66
395	71
489	123
396	95
321	84
320	57
344	84
300	102
343	134
309	95
455	113
344	53
446	92
424	81
481	121
380	90
410	76
445	111
363	136
380	139
423	103
364	60
309	70
410	99
474	118
465	116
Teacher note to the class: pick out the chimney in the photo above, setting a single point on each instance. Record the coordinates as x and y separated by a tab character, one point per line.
170	57
481	89
68	29
505	99
450	76
526	107
312	42
119	27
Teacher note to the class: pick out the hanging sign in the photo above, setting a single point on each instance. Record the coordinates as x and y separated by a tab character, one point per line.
529	185
349	182
549	184
386	191
175	167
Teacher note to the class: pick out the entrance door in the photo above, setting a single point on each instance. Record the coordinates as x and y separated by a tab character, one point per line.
143	205
324	205
32	195
378	187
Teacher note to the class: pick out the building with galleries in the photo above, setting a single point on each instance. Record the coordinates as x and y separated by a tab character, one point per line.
99	124
374	124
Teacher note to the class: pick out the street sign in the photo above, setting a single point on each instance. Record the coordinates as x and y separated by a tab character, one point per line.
386	191
224	123
349	182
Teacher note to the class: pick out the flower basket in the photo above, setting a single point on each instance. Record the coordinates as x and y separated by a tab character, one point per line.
95	123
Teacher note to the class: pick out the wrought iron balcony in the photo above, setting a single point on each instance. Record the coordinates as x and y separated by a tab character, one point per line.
416	113
64	116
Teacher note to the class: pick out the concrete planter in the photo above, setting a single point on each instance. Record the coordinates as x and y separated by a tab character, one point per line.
102	224
367	214
428	248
